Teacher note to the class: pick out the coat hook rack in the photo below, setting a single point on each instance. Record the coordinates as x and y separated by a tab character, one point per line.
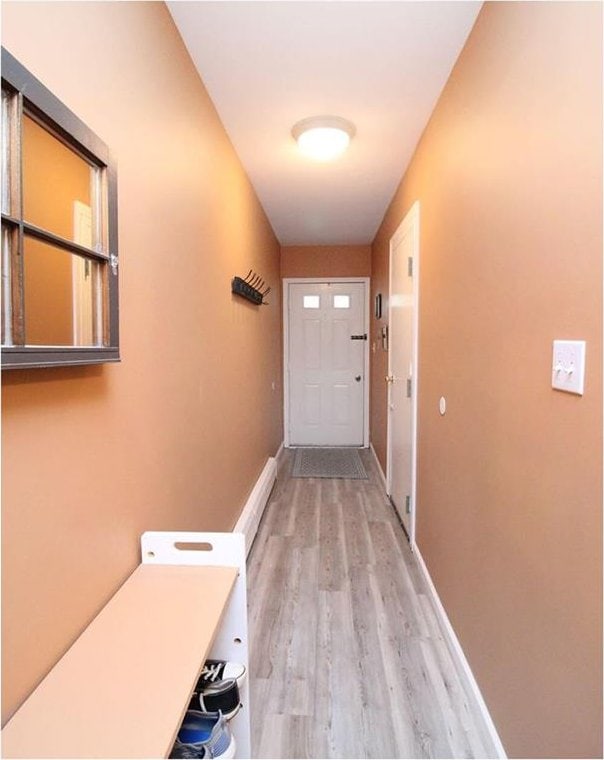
252	287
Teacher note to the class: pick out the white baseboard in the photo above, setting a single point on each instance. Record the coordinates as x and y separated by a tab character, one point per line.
379	467
458	654
249	519
279	453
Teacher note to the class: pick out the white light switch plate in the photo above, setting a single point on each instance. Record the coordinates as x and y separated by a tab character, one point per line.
568	366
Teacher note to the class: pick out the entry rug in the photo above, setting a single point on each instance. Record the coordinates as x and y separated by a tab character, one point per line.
318	462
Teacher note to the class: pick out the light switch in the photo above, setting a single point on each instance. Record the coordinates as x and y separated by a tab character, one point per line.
568	366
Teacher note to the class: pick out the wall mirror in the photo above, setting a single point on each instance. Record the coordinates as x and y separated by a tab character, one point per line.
59	231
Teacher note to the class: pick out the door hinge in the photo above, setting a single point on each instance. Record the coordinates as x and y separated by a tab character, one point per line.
410	266
359	337
407	505
408	387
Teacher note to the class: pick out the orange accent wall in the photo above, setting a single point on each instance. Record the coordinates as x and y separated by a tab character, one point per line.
326	261
508	175
175	436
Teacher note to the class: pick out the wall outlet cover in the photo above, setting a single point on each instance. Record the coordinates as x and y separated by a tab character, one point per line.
568	366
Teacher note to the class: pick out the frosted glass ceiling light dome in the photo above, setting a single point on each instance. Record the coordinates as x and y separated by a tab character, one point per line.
323	137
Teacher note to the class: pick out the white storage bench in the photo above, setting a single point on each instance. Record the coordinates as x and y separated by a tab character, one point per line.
124	686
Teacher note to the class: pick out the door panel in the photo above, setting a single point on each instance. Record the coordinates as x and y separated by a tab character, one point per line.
312	404
322	317
341	404
312	343
341	345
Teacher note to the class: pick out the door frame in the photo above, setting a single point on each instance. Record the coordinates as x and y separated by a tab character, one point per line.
412	218
323	281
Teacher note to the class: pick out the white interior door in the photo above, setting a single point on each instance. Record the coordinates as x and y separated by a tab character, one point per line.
326	363
402	375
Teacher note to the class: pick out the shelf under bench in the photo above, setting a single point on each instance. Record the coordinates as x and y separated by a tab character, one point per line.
122	689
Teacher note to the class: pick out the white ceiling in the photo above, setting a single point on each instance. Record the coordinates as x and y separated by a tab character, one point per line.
382	65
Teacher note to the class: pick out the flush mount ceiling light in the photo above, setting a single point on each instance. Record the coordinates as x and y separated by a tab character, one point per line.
323	137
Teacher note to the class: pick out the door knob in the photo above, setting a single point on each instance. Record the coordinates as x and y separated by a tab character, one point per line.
389	379
358	378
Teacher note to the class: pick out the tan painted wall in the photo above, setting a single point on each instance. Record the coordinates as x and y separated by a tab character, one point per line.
326	261
175	436
508	175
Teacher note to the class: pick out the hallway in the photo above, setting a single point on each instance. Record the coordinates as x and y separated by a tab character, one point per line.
347	659
149	394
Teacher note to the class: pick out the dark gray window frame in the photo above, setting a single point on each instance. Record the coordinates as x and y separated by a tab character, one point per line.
52	112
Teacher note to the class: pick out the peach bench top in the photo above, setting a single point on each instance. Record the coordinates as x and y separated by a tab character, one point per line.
122	689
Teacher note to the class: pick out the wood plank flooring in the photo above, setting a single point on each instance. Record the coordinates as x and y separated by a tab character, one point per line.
347	657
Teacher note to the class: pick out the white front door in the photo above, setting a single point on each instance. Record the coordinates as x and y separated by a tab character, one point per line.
402	374
326	363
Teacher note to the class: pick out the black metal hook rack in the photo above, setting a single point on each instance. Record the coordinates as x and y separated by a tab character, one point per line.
252	287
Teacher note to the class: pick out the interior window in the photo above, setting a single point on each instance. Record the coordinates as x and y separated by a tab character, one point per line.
59	231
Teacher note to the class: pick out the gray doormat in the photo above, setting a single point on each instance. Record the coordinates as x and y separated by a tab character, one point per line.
319	462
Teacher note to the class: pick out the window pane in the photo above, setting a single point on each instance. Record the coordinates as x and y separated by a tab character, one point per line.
62	294
5	152
7	338
341	302
312	302
57	186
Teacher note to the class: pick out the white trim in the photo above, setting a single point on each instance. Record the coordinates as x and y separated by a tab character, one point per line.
378	465
458	654
280	452
252	512
412	218
320	281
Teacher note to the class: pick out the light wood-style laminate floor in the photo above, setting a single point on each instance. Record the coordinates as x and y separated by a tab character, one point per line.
347	657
